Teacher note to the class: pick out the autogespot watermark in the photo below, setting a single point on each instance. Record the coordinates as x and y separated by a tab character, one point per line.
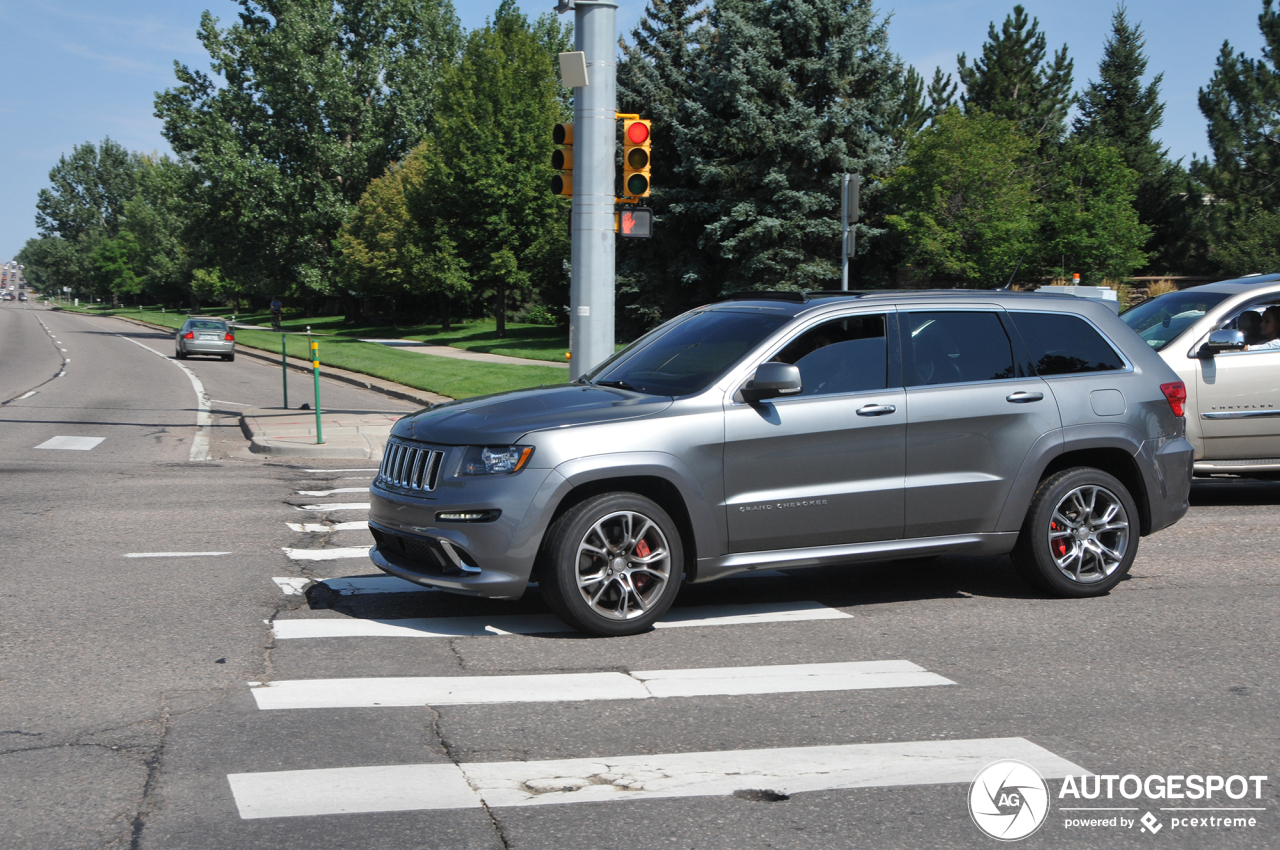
1009	800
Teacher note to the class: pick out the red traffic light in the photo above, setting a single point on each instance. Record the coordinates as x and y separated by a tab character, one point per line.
638	132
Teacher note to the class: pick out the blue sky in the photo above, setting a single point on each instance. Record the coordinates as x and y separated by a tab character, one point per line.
73	71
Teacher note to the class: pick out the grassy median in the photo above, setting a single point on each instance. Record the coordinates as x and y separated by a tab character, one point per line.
446	376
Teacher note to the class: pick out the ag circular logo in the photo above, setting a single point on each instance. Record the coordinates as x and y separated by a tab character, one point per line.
1009	800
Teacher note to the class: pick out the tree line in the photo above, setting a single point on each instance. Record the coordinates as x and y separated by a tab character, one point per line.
371	157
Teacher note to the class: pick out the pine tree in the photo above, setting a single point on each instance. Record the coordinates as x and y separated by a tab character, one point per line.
914	112
661	276
1014	80
942	93
783	98
1121	112
1242	106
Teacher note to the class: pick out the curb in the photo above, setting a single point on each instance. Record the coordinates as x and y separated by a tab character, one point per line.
368	382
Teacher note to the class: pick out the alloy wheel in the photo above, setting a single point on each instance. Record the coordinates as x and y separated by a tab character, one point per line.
1088	534
623	564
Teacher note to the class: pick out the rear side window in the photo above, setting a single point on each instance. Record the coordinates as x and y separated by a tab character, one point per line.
1065	345
955	348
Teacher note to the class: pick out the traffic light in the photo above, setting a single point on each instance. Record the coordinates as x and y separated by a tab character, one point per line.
634	223
562	160
636	138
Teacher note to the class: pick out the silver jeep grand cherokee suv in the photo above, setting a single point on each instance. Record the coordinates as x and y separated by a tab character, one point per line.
785	430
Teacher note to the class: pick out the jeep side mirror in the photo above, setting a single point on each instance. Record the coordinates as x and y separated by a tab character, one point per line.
772	380
1227	339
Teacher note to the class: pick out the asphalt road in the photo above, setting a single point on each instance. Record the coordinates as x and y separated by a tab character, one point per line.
127	718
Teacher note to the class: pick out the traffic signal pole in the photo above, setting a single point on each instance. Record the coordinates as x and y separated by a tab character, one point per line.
591	281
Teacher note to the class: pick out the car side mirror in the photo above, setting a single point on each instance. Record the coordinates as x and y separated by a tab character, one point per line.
772	380
1227	339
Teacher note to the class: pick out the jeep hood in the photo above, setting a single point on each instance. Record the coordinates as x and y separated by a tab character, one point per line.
502	419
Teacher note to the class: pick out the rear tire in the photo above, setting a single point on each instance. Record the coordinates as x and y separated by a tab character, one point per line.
229	357
179	354
612	565
1080	535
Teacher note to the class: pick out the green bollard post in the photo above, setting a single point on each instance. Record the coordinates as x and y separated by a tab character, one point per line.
284	368
315	369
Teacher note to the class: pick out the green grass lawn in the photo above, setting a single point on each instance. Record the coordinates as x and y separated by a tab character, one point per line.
443	375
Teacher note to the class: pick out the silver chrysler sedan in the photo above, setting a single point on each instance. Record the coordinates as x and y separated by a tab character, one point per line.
205	335
786	430
1223	340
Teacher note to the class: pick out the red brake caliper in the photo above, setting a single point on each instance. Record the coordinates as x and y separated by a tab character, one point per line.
642	549
1060	544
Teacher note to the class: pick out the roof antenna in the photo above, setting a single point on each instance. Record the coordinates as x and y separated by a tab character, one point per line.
1009	285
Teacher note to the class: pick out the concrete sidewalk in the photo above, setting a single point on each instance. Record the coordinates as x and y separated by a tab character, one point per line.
358	434
437	350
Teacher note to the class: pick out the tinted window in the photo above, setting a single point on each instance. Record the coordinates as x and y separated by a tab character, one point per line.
688	354
845	356
951	348
1065	345
1162	319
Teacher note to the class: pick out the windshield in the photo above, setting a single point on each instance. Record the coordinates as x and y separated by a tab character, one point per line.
688	354
1162	319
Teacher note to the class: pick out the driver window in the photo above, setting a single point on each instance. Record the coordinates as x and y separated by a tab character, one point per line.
847	355
1260	325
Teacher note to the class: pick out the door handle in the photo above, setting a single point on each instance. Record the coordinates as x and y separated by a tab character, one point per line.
1023	397
876	409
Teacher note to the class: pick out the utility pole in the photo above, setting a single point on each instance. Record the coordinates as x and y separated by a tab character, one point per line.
850	186
591	282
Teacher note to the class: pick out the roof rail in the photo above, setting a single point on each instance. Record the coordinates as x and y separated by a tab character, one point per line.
793	296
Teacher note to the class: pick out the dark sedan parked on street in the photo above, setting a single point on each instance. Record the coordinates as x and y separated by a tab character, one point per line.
205	335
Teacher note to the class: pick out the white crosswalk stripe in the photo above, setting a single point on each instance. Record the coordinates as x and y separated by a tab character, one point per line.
336	506
334	554
579	687
416	787
533	624
333	492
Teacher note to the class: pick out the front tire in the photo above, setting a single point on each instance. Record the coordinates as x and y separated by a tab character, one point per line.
612	565
1080	535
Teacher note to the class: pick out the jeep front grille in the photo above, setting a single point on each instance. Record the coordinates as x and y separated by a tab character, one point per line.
410	467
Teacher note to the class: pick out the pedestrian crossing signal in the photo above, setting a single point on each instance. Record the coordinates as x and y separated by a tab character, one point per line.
634	223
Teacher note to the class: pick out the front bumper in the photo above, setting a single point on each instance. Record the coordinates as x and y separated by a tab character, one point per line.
491	559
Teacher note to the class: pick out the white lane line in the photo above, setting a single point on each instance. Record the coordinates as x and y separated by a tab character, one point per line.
333	492
336	506
174	554
581	687
79	444
204	421
327	554
28	395
325	528
417	787
533	624
339	470
355	586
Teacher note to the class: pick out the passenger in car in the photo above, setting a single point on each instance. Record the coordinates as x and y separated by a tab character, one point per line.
1270	330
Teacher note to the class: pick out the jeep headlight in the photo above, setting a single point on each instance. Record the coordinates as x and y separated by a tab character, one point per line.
487	460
